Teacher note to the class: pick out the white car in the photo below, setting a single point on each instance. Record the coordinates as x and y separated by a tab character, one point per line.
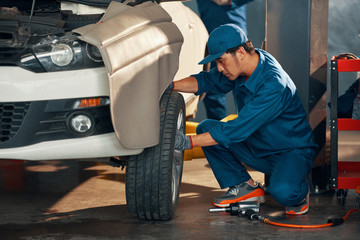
87	80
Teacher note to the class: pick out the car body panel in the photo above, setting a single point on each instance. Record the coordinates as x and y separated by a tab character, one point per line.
19	85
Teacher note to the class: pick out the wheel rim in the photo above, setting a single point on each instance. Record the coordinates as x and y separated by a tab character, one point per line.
178	159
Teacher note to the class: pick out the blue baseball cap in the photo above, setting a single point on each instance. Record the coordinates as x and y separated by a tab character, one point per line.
223	38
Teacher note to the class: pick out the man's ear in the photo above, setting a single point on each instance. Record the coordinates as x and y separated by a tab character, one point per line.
241	52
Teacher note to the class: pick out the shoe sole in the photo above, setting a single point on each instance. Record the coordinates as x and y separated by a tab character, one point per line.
259	199
303	210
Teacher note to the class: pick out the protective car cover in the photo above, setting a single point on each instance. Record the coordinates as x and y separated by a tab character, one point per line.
140	47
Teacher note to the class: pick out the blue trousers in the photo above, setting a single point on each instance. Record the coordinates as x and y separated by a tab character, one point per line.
215	103
287	170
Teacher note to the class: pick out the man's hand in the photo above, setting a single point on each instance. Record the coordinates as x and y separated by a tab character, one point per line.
182	141
222	2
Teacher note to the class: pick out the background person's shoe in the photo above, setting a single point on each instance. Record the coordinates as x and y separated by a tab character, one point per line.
300	209
241	193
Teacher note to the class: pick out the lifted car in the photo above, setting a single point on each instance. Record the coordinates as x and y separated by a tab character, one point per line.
87	80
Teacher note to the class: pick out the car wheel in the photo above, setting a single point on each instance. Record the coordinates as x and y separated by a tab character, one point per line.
153	178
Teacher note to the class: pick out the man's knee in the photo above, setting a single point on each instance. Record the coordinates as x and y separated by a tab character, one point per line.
205	126
286	194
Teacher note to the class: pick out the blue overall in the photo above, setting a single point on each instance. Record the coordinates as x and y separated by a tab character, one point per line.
213	16
271	133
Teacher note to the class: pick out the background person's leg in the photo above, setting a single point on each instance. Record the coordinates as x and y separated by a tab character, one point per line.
215	106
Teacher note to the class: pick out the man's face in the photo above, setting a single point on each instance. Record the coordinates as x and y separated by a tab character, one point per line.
230	65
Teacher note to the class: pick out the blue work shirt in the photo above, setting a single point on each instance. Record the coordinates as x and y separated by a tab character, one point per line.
214	15
271	117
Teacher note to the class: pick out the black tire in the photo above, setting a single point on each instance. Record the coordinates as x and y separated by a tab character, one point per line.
153	178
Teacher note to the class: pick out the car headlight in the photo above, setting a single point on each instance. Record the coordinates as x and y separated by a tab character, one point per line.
61	54
64	53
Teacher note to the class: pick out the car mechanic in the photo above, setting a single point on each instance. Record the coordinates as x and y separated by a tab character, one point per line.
271	133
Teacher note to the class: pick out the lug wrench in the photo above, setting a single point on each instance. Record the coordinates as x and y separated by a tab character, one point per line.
250	209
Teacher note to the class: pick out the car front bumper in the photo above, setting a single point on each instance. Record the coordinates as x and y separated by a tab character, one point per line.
99	146
19	85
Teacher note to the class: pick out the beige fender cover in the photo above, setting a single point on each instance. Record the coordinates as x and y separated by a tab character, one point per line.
140	47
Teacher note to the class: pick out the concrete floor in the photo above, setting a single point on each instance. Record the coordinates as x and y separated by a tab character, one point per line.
82	200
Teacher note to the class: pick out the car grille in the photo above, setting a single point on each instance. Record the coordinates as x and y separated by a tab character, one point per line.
9	55
11	119
26	123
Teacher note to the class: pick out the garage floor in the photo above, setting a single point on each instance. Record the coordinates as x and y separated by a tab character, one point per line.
82	200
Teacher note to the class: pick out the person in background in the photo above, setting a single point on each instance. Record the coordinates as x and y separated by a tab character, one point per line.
215	13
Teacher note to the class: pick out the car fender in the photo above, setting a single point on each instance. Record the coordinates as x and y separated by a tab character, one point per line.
140	47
